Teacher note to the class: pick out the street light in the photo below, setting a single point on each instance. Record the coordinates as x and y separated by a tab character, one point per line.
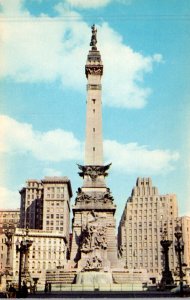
23	248
8	230
167	279
179	248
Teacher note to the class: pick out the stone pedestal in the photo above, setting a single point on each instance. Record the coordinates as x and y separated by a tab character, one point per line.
94	279
167	278
94	243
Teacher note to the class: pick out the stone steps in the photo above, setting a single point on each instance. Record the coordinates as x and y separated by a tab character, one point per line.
124	277
60	277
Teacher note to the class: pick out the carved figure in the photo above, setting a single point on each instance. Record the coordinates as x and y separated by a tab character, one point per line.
100	197
93	264
93	171
93	237
81	196
93	69
120	251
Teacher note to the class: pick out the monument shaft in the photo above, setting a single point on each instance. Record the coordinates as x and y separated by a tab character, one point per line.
94	245
94	143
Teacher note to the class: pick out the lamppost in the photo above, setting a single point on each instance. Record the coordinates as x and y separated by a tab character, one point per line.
8	230
23	248
179	248
167	279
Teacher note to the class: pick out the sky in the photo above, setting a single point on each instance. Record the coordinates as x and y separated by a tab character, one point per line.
145	46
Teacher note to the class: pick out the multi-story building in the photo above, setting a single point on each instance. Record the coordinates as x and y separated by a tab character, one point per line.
47	252
31	208
146	215
185	224
45	215
45	205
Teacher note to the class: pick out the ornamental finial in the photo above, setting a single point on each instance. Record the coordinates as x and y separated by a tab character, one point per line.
93	38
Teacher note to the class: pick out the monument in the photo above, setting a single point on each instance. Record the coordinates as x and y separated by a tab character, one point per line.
94	262
94	244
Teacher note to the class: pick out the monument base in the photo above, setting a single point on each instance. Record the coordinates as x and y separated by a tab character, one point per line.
93	278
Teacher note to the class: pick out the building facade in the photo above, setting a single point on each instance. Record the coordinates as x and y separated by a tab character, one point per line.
47	252
146	216
45	205
185	224
45	214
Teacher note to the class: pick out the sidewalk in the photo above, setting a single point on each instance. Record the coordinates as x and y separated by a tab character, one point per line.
104	294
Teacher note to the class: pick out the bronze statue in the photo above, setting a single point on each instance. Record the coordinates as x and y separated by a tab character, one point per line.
93	38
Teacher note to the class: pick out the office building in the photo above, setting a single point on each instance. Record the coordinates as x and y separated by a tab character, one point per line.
146	216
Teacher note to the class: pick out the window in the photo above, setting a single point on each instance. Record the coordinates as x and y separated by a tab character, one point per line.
94	101
93	129
93	148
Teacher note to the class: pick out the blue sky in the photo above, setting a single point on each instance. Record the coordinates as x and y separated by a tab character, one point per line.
145	46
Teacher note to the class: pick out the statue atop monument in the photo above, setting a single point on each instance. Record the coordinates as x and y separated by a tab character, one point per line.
93	38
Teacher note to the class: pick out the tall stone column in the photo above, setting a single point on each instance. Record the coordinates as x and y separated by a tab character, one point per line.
94	245
94	71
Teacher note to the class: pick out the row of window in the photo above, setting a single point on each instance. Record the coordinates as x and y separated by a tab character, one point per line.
151	199
52	216
56	189
52	222
56	228
52	196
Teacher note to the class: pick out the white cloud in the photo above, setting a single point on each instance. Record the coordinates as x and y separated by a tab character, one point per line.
133	158
88	4
59	145
55	145
9	198
124	73
37	49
